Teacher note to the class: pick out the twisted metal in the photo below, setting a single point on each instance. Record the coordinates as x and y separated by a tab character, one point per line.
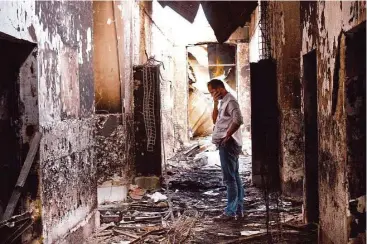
149	86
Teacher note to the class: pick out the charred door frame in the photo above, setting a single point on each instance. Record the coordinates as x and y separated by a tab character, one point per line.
310	102
355	104
147	163
264	124
355	107
22	128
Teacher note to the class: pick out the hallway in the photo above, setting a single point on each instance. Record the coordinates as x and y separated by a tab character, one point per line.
105	108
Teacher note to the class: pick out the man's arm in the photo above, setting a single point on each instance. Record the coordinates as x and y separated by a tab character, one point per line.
237	120
215	112
232	129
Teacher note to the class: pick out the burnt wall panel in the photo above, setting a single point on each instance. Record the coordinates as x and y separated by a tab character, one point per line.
70	194
69	88
285	42
244	88
66	95
68	175
106	62
323	25
110	148
85	60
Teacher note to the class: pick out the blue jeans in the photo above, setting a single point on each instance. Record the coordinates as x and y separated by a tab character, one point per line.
231	178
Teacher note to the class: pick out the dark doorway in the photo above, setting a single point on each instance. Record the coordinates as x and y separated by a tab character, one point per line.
264	123
311	137
147	121
355	99
18	112
19	120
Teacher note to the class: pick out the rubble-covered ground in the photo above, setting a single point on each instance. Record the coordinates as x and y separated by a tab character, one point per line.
191	195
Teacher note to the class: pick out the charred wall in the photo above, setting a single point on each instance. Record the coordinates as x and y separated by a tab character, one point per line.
143	36
243	78
285	37
111	145
66	105
110	148
127	32
65	91
106	63
323	27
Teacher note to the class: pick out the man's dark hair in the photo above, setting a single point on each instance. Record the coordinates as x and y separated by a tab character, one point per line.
215	83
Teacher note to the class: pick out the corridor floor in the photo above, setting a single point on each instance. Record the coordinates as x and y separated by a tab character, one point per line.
201	189
195	195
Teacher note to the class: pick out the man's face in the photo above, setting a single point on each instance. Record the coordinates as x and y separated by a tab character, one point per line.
214	91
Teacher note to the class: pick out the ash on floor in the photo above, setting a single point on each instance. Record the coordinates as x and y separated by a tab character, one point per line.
192	194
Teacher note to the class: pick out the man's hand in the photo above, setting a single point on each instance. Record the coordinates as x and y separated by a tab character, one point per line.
225	140
216	97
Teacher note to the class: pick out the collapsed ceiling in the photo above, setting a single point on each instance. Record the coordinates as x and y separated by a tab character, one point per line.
224	17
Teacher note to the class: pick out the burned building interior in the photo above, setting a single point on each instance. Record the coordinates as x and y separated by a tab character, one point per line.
106	121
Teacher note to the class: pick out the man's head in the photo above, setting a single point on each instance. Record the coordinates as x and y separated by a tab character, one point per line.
217	86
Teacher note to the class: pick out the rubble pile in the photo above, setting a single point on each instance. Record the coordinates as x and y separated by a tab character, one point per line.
192	194
142	218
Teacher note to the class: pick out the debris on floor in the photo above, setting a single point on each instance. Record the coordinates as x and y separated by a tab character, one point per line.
133	221
182	210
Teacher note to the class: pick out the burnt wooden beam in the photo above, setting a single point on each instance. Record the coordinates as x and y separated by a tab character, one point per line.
22	176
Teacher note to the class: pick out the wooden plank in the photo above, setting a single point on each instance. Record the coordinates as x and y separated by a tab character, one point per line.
119	232
191	149
34	144
147	234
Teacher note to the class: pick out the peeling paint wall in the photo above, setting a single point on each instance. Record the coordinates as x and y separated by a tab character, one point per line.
110	124
106	62
110	148
62	32
322	27
243	87
284	19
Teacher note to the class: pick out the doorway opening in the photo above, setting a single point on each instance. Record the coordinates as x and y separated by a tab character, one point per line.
19	118
147	121
206	62
264	124
355	104
311	137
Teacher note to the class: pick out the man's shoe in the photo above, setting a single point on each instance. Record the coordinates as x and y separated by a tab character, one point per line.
240	215
224	218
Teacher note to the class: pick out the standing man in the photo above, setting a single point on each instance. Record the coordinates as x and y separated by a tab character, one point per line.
227	137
